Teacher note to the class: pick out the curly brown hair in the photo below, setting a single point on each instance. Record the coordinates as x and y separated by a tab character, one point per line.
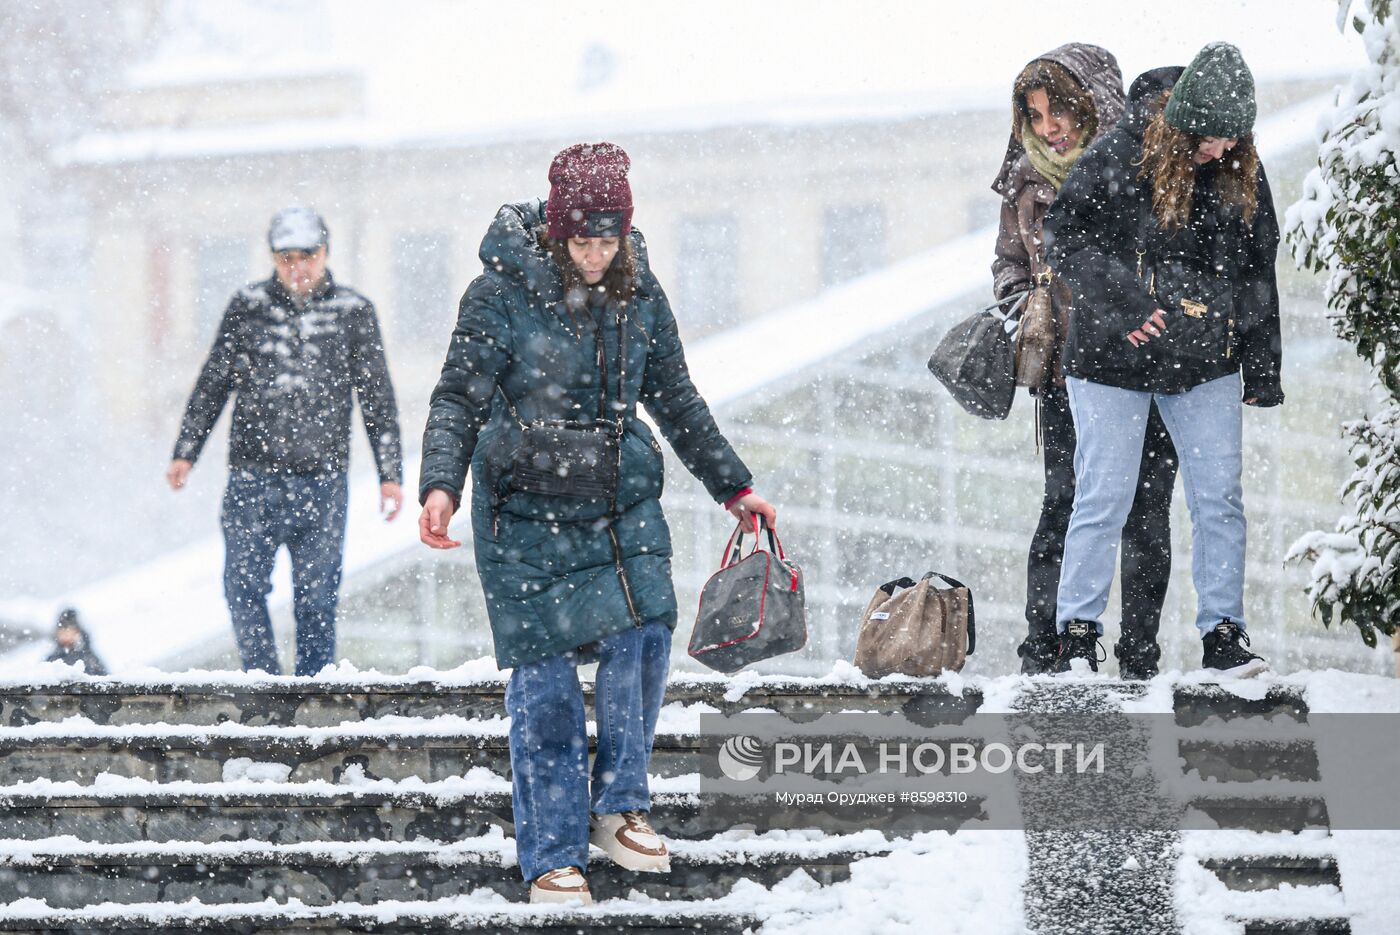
1063	91
619	282
1168	162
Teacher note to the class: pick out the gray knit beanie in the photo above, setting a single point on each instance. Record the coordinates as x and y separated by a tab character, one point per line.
1215	95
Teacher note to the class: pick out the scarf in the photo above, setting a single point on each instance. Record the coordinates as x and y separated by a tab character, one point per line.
1054	166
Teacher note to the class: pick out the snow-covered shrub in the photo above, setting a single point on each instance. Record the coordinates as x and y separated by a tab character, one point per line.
1348	224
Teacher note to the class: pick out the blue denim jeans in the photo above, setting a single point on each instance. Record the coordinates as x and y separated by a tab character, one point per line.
549	743
1205	425
263	511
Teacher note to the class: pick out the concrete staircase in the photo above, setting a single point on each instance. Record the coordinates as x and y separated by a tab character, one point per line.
357	807
1270	854
384	806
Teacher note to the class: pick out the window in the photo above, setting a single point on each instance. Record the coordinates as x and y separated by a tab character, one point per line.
707	289
853	241
424	310
221	267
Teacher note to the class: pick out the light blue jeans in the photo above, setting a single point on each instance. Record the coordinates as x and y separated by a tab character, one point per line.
549	743
1205	425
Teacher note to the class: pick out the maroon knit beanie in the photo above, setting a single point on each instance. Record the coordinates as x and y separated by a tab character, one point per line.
588	192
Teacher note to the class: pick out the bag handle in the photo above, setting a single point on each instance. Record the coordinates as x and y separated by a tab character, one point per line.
1017	299
734	548
890	586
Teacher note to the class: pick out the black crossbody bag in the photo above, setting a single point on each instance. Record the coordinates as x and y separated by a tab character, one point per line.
1199	303
561	458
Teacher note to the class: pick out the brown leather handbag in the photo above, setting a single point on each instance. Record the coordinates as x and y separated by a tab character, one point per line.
1035	340
921	630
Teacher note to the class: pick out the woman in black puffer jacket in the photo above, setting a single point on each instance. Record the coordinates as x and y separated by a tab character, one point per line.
1166	234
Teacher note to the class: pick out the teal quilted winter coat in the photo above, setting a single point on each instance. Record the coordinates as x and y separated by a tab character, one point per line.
553	577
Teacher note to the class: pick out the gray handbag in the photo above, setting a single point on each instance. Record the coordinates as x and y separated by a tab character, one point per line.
753	608
976	362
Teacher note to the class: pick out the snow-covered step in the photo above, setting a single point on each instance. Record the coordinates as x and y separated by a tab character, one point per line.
327	702
1270	883
118	810
392	748
1199	702
1339	925
1270	809
68	873
484	911
1245	860
395	748
1244	760
1271	872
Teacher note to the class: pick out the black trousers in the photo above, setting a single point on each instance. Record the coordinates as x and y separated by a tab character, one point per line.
1146	554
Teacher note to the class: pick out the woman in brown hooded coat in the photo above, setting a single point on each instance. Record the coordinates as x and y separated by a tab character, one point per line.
1061	101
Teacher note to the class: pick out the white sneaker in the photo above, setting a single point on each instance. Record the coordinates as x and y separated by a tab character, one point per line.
564	885
630	841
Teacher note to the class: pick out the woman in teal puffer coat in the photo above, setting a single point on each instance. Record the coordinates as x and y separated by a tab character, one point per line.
567	324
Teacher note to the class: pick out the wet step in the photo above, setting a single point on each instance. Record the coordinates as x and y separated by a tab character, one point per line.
302	813
317	703
1334	926
64	876
1270	872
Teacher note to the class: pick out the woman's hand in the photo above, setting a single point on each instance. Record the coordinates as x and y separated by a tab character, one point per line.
750	504
432	524
1152	328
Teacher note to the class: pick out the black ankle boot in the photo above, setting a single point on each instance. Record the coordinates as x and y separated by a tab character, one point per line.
1136	661
1223	651
1079	641
1038	651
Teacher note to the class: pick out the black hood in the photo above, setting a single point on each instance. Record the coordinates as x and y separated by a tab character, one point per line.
1093	67
1142	96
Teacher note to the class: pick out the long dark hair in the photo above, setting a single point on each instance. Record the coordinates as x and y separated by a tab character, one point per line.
619	282
1062	90
1167	161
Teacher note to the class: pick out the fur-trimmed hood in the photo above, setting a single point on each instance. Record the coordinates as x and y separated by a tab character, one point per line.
1097	70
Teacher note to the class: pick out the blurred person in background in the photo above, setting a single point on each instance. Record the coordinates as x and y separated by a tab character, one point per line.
293	349
71	644
1166	234
1061	101
567	326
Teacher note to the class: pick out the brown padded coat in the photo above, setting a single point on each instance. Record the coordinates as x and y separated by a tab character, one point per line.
1026	194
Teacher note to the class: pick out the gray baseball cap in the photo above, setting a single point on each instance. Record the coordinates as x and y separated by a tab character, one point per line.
297	228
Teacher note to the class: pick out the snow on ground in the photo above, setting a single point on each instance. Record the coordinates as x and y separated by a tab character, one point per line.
977	875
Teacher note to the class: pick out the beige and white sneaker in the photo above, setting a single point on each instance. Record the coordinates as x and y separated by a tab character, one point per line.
630	841
564	885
